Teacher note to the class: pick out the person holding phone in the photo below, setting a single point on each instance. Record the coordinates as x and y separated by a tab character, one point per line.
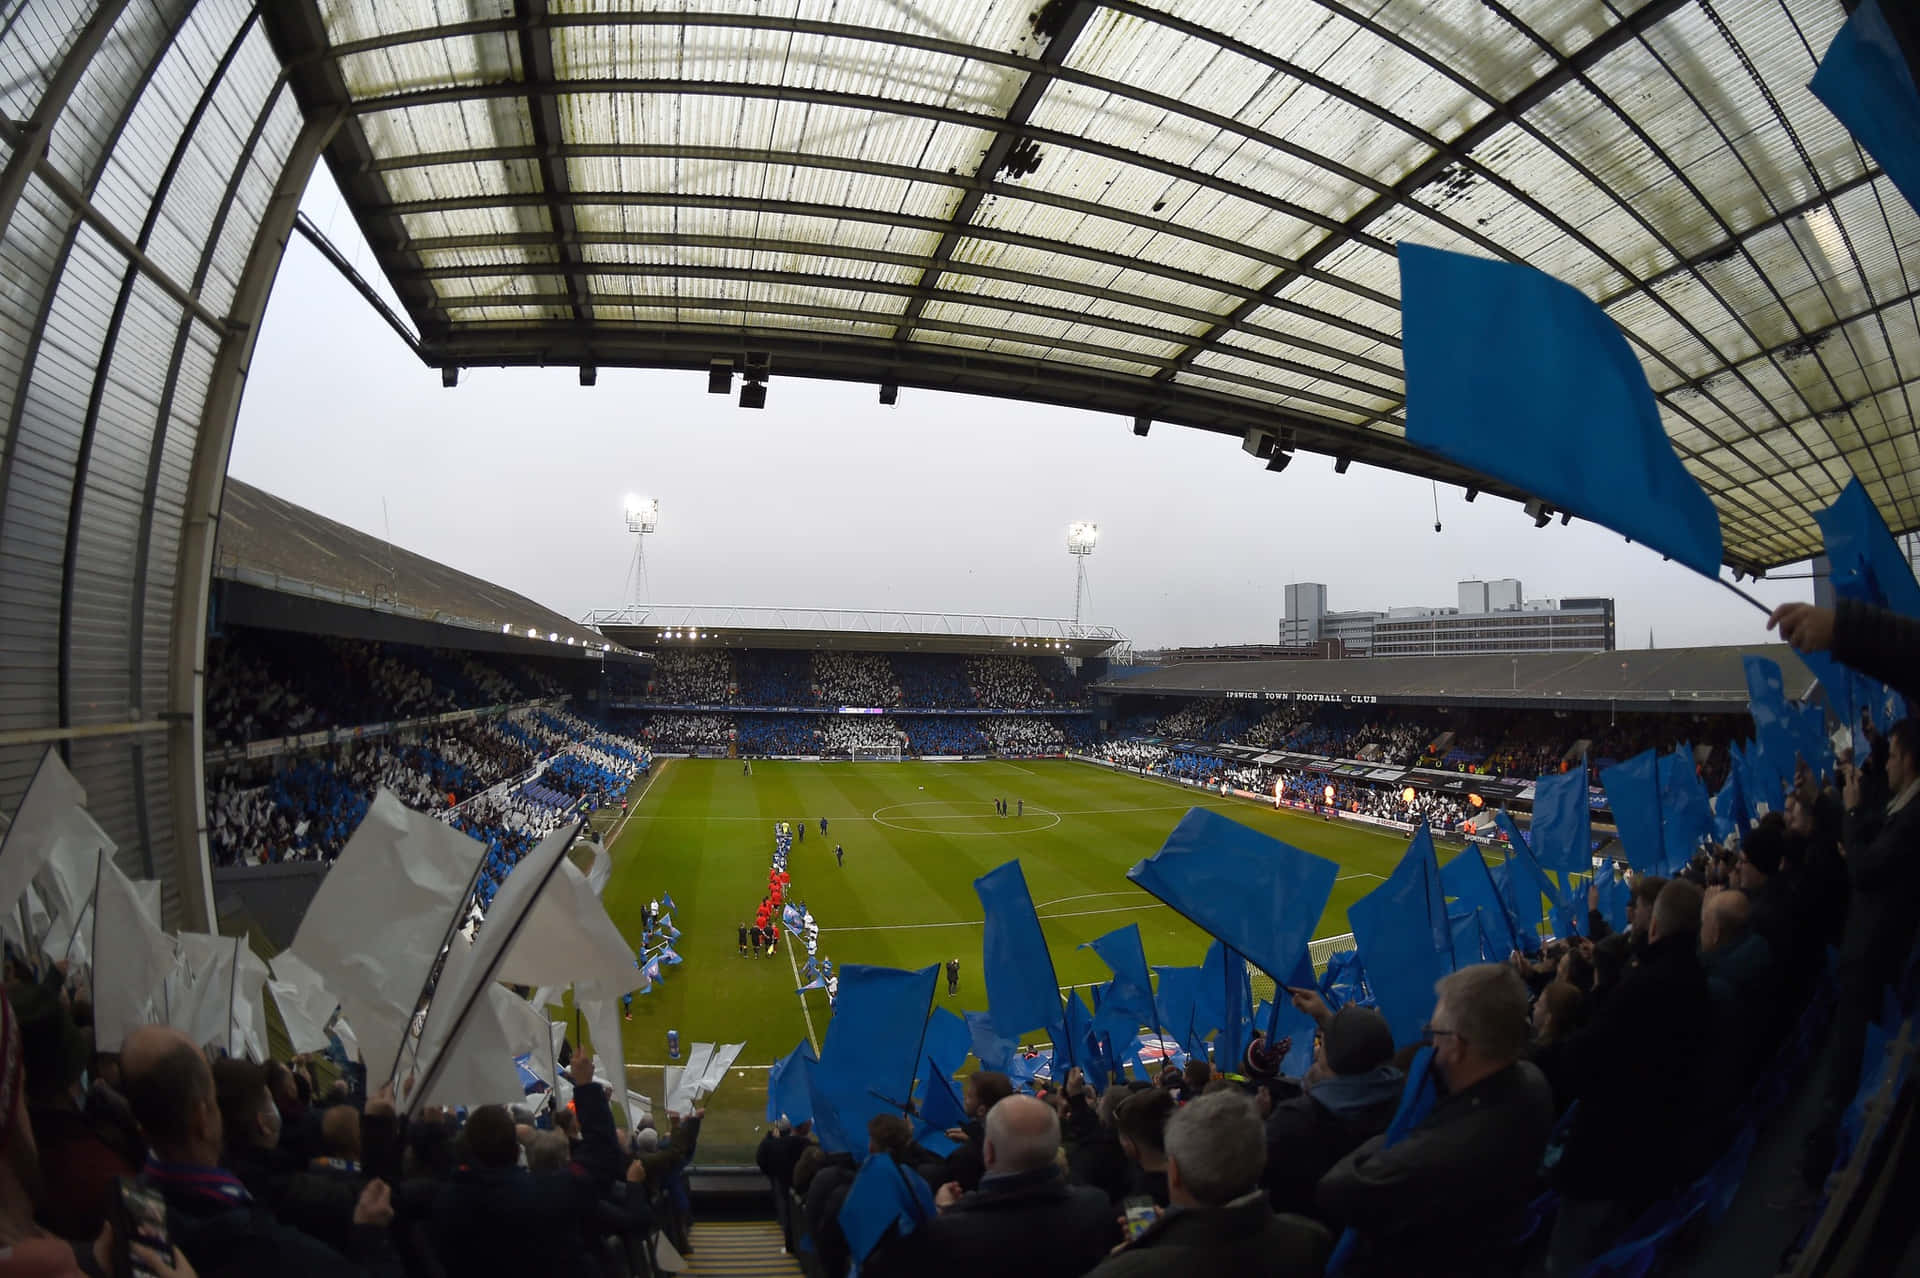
1221	1222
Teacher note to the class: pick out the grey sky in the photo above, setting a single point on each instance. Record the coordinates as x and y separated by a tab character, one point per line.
826	499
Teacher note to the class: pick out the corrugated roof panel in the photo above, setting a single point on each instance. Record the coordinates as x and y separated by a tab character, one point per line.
465	222
1033	295
469	59
1093	274
850	299
460	181
348	21
506	255
1271	395
468	287
1387	358
1331	299
467	125
1284	379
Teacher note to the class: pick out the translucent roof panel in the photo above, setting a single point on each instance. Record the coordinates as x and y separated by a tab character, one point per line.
1185	210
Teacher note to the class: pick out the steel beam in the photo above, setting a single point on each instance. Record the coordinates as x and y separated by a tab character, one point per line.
29	138
200	522
536	66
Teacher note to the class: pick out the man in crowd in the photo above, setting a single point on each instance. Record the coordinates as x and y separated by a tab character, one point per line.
1024	1207
1220	1220
211	1216
984	1089
1450	1197
1349	1095
1640	1071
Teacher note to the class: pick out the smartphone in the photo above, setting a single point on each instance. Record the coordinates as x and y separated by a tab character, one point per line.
1141	1213
139	1215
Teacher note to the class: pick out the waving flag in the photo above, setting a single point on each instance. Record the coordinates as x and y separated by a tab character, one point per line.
651	971
873	1044
1605	455
1130	993
994	1050
1561	836
1633	794
1730	808
1260	896
1865	81
945	1039
1774	730
1022	991
1686	814
1228	994
666	903
1404	939
787	1091
1469	881
1178	1000
817	983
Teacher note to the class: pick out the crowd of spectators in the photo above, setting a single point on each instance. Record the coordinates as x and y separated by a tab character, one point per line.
693	676
773	677
686	732
943	734
855	679
273	1169
776	734
263	685
934	681
1024	734
1012	683
845	734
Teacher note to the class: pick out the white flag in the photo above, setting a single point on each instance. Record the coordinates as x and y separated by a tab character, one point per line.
566	937
376	925
680	1097
132	958
304	1003
609	1064
723	1058
204	976
44	815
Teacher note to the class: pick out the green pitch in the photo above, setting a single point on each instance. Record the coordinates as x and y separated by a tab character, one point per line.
916	836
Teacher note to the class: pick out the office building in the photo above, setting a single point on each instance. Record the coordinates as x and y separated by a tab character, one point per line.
1490	617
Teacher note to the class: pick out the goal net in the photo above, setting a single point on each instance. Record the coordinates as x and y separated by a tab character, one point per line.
881	754
1319	951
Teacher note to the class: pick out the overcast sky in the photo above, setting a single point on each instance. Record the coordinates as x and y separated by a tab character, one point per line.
826	499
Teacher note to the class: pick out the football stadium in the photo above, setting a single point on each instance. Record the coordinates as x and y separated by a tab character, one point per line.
367	914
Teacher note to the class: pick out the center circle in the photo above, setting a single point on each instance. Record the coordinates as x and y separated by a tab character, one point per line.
944	822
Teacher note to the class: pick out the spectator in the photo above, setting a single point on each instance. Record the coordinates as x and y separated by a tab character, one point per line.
1559	1012
1349	1095
1141	1121
1639	1071
250	1124
1024	1207
1451	1196
495	1217
984	1089
211	1216
1744	982
1221	1221
1097	1158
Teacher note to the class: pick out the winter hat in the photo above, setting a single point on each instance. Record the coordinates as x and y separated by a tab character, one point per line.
1261	1060
1358	1040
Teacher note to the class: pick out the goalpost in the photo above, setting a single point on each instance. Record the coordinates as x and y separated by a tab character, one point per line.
880	754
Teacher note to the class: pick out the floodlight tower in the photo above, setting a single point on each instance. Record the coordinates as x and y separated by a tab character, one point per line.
1081	537
643	514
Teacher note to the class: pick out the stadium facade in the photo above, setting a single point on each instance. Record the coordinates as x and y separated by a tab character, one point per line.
1492	617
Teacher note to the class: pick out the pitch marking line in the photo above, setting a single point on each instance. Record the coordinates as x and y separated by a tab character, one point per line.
1047	918
1215	803
878	817
804	1009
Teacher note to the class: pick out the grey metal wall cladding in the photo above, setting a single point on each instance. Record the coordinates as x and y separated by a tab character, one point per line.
166	134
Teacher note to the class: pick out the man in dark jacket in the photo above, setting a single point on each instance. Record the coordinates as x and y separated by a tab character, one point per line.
1351	1092
496	1217
1024	1217
779	1150
1221	1223
1744	982
1641	1073
1449	1198
210	1215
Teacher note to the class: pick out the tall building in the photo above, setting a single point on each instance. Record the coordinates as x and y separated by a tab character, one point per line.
1491	617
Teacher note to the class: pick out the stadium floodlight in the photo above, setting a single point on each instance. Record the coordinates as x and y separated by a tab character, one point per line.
553	636
643	516
507	629
1082	536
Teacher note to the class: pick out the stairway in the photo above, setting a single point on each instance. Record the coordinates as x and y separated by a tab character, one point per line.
739	1249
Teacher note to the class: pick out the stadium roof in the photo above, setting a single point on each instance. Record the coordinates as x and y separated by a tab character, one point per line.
855	630
1698	679
1178	209
269	542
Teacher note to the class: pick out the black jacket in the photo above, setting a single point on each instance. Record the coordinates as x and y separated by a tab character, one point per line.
1640	1070
1455	1190
510	1222
1243	1239
1307	1135
1879	644
320	1201
1883	908
1100	1162
1053	1228
242	1240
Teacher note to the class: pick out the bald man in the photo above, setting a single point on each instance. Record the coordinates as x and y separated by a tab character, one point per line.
210	1215
1743	978
1025	1217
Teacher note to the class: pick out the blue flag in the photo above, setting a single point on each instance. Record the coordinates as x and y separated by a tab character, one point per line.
1633	794
1730	808
817	983
883	1195
666	903
1404	939
1022	992
1179	1016
1131	991
1809	722
1686	814
1564	410
1070	1049
788	1091
940	1103
1469	881
1614	896
1259	895
1227	993
1527	874
873	1044
994	1051
652	970
1345	981
1417	1099
1561	835
946	1039
1865	81
1469	941
1774	731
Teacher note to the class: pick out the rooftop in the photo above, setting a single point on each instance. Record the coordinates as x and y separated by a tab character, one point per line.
855	630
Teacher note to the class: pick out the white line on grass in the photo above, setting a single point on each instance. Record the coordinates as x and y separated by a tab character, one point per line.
1344	877
633	805
804	1009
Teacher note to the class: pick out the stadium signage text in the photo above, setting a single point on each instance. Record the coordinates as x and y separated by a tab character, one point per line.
1334	698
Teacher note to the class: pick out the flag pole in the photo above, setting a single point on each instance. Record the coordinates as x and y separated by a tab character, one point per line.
1744	595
